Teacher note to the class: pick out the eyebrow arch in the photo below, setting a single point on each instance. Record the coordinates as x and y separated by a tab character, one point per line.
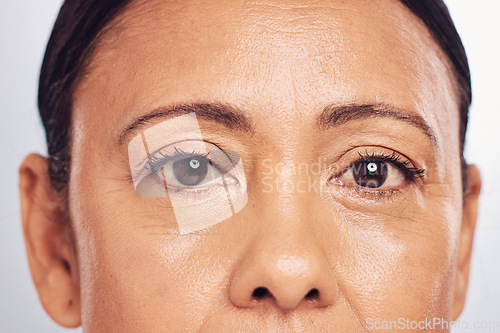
225	114
334	115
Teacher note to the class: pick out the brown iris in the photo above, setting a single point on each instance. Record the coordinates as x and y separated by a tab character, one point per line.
370	174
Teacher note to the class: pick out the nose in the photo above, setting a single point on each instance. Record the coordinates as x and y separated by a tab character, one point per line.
287	272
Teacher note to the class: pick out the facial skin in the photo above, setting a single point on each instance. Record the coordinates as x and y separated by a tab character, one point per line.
370	256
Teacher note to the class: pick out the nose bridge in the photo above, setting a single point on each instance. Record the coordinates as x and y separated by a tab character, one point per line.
288	203
284	265
285	201
289	184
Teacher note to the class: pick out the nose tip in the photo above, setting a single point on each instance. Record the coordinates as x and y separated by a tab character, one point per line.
286	282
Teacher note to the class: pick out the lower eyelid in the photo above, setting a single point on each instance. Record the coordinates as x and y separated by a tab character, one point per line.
373	194
365	192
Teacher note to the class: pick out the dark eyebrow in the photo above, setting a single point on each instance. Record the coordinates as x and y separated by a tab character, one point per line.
225	114
335	115
232	117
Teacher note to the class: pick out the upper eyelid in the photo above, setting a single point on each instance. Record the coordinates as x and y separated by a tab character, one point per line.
397	159
393	157
163	148
372	150
146	167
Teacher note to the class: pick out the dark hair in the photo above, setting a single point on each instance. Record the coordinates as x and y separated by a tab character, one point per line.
80	23
71	44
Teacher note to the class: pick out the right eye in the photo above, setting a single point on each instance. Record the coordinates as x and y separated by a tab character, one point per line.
187	172
190	171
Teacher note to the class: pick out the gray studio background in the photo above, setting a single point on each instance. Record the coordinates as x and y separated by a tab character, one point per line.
25	26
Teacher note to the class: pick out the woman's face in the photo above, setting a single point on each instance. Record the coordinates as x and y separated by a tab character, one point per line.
324	93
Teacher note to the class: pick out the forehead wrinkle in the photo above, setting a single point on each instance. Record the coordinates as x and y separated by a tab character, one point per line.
271	32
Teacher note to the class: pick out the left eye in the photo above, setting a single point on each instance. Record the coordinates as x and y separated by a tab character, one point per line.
372	174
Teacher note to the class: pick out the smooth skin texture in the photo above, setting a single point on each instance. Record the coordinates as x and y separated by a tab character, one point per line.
330	258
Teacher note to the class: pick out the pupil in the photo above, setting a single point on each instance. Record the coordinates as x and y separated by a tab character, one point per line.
191	171
194	164
370	174
371	167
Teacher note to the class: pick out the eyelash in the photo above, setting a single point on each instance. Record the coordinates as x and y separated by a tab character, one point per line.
411	173
401	163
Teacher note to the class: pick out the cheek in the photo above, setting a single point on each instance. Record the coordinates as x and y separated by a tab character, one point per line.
402	262
142	277
135	272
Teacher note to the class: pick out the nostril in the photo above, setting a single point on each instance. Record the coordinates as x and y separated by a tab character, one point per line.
313	293
261	292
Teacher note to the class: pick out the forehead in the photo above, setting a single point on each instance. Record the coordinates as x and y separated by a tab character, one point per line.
276	58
